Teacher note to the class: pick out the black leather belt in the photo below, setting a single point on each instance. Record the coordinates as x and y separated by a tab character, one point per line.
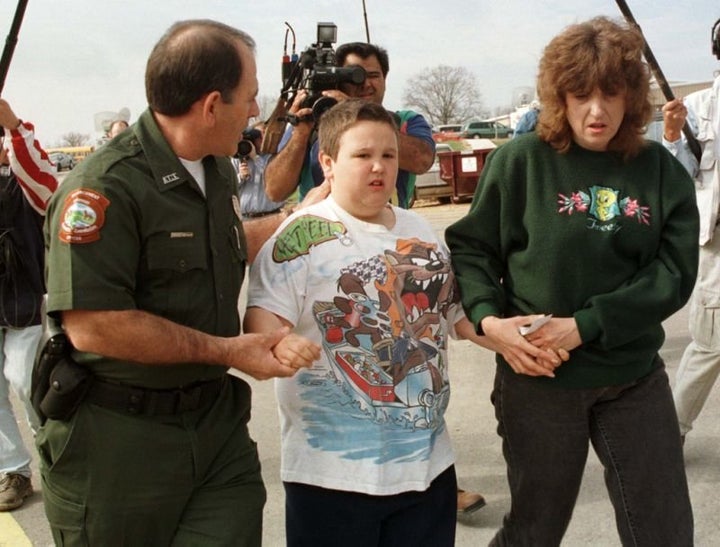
153	402
261	213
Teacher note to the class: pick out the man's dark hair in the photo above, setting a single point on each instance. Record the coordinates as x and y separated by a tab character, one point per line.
363	50
193	58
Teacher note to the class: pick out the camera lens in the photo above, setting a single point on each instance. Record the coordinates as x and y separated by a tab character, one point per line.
244	148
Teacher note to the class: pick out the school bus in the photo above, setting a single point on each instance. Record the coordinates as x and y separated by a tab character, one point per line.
77	152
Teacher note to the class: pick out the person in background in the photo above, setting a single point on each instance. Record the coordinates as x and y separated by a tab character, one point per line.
700	363
585	220
146	257
296	163
366	455
528	121
27	180
254	202
117	127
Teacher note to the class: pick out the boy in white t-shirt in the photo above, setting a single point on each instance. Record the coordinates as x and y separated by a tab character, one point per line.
366	456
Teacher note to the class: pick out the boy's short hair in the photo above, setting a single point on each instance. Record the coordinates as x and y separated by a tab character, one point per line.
345	114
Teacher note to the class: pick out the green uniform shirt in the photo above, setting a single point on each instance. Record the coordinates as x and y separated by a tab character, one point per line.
131	229
585	235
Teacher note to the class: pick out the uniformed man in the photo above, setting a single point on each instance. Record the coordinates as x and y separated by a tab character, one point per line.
146	256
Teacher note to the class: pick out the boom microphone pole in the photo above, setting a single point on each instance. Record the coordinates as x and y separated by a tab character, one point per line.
11	41
660	77
367	28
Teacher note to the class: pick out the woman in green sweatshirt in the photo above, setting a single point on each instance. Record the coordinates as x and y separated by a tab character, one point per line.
585	220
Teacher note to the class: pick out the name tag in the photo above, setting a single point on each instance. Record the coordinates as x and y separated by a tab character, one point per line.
172	177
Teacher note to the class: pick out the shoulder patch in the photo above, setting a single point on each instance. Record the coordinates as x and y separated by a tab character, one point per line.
83	216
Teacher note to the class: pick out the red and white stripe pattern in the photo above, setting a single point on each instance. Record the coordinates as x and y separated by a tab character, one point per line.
31	165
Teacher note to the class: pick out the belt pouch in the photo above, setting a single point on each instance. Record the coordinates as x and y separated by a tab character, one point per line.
69	382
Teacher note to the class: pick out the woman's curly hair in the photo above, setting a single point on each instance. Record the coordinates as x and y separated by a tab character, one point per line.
599	53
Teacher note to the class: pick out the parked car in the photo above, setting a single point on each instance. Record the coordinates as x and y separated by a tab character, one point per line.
448	132
485	130
62	160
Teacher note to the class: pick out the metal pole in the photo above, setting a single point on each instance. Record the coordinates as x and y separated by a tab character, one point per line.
11	41
693	143
367	28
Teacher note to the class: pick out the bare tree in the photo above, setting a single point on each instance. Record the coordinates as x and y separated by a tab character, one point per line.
444	94
74	139
502	110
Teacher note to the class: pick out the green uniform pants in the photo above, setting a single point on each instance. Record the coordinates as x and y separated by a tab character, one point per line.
187	479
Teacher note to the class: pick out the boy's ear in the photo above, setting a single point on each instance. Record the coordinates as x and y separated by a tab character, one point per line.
326	162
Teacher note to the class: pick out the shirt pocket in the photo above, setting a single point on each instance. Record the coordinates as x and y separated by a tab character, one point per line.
180	254
177	283
706	136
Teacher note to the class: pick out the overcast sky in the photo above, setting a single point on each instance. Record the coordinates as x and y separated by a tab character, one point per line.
75	58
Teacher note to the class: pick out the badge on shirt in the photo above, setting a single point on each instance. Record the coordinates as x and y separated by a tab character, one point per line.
83	215
172	177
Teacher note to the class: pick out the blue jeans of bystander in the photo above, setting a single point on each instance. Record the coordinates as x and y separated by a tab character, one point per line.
17	353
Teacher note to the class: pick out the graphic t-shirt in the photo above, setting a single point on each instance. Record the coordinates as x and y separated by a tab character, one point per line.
369	416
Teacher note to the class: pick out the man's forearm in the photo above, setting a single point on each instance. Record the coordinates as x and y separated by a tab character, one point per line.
680	149
141	337
282	173
415	155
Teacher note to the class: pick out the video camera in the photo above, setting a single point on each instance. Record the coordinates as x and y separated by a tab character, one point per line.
245	146
317	71
314	71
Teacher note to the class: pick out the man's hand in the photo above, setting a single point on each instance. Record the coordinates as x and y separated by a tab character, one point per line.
254	355
336	94
315	195
304	114
243	170
674	115
8	119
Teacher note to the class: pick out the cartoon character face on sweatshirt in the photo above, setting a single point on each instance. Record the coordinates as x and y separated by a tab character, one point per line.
605	204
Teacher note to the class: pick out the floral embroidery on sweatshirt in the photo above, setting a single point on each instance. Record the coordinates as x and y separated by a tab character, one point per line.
603	204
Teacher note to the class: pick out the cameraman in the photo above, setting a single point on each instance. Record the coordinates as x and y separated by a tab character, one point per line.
250	168
296	162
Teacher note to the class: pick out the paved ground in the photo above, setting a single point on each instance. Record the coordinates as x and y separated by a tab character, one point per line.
480	465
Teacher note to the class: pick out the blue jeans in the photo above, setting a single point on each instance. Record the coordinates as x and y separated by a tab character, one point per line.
17	352
320	517
634	430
